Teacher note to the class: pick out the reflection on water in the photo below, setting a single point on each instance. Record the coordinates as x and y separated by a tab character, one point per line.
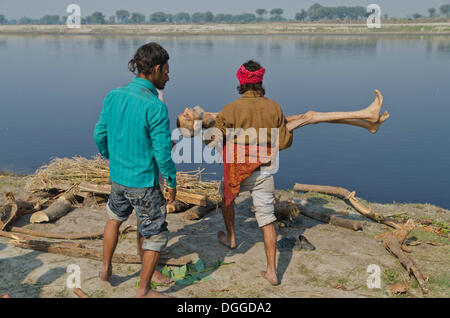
52	110
329	46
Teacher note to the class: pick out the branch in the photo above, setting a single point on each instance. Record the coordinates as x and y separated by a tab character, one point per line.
350	196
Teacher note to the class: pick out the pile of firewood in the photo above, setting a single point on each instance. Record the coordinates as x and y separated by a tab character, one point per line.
86	182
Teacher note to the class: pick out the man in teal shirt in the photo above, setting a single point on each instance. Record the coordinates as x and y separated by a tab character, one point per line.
133	133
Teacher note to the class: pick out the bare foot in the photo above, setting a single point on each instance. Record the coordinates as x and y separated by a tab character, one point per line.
375	108
373	128
161	279
105	275
151	294
226	240
272	278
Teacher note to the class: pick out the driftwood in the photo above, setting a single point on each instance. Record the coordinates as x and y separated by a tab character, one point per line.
14	209
80	293
14	236
177	206
393	242
198	212
79	251
75	236
56	210
332	219
350	196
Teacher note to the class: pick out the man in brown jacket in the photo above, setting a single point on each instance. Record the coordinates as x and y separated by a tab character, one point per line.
259	118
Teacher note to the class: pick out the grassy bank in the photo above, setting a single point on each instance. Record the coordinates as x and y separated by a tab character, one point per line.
233	29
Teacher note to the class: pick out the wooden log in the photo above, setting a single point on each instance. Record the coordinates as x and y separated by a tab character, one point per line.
80	293
342	222
285	210
177	206
14	209
78	251
8	215
393	242
198	212
75	236
56	210
14	236
95	188
350	196
332	219
190	198
24	207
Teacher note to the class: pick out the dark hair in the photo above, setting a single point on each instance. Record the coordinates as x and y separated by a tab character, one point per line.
258	87
146	57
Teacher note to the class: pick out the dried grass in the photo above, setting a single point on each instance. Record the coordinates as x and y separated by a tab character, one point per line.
69	172
191	181
65	173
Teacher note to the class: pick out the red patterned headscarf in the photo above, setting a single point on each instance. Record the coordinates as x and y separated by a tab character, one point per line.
245	76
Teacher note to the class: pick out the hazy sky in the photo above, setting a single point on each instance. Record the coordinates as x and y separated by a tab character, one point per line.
14	9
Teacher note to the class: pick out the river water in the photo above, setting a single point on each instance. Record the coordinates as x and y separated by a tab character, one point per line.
52	88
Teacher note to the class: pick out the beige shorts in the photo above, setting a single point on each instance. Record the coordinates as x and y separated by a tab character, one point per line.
262	190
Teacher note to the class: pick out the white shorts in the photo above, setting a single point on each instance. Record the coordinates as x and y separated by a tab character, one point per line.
262	190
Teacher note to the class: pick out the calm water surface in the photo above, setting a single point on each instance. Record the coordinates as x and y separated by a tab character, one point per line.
52	88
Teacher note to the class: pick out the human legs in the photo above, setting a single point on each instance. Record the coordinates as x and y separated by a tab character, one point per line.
229	238
157	276
270	241
110	238
152	238
364	118
262	190
371	127
118	209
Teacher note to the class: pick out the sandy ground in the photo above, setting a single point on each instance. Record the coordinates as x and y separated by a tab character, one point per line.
231	29
341	256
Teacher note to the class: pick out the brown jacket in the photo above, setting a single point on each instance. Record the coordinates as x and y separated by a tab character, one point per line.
252	110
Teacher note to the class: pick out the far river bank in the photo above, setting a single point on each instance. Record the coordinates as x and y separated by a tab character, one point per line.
442	28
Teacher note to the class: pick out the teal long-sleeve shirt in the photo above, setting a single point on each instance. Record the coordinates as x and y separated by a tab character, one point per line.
133	132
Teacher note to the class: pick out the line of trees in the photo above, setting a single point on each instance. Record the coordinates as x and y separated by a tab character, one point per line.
314	13
318	12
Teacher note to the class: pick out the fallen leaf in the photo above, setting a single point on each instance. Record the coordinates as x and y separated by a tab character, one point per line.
398	288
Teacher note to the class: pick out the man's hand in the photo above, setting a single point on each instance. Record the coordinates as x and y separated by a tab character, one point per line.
172	194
